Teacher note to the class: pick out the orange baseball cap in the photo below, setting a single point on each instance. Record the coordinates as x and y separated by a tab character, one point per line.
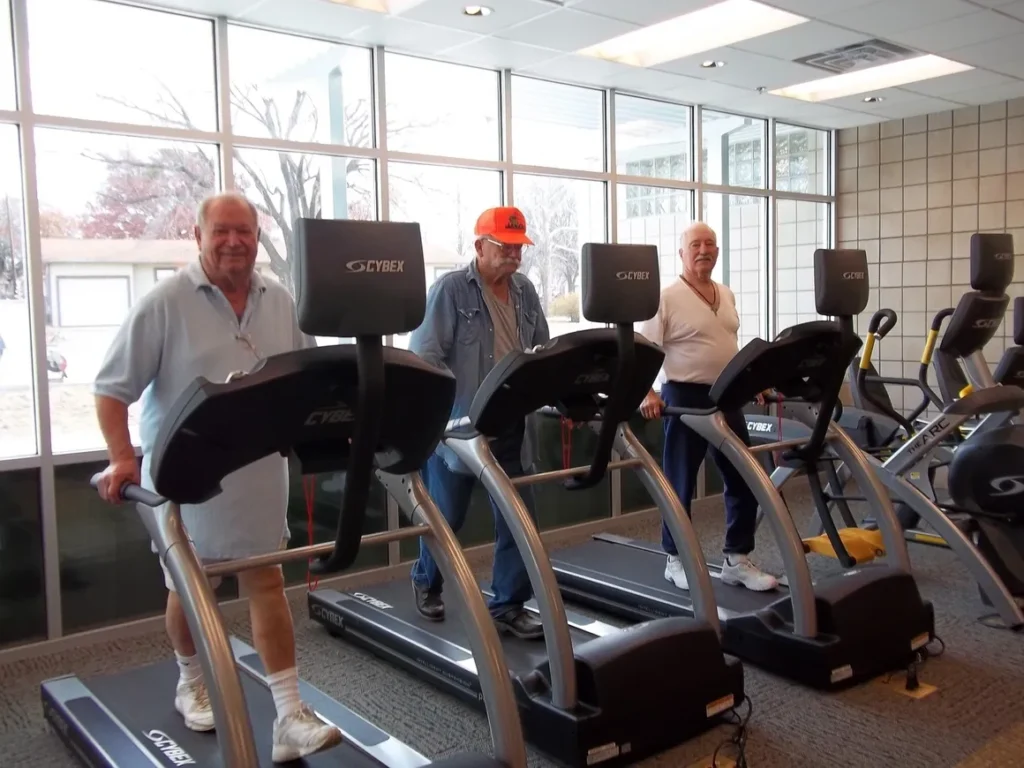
506	225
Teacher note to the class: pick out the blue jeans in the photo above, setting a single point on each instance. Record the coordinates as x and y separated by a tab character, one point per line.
684	453
451	492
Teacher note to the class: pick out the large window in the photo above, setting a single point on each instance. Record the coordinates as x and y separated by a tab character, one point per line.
285	186
136	114
652	139
561	216
8	87
741	223
305	90
801	228
446	202
111	209
441	109
557	125
656	216
733	149
17	401
801	160
106	61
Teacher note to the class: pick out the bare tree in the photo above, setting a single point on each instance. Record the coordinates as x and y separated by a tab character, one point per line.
550	209
296	191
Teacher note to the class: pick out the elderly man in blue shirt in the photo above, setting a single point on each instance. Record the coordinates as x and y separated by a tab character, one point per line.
213	317
474	317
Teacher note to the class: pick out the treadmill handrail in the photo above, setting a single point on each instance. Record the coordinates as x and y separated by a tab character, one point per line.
163	521
476	454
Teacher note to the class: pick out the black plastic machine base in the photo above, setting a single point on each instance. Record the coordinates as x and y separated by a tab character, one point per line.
640	691
625	682
871	621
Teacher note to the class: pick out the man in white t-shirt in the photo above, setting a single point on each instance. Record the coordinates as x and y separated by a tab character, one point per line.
697	327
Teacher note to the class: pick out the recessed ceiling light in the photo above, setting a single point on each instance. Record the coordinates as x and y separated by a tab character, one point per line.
477	10
713	64
718	25
873	99
874	78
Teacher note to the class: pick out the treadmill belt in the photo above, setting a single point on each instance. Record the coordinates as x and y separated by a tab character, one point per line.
639	567
143	700
522	655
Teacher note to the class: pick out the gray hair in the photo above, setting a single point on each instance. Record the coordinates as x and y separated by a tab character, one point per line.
684	238
204	206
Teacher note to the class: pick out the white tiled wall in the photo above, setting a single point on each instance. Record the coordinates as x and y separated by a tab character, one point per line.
911	193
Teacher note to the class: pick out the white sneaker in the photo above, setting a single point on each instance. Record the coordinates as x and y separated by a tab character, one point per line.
674	572
302	733
192	701
737	569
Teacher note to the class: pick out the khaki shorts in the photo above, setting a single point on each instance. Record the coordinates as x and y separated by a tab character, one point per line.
215	581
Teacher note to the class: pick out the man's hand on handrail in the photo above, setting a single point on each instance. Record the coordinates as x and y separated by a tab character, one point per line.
652	405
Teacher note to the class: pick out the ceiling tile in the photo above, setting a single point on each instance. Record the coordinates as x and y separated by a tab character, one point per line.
449	13
312	17
1013	89
801	40
995	3
960	32
647	81
643	12
578	69
1014	8
889	97
233	8
696	91
499	54
743	68
913	107
961	81
567	30
818	9
888	16
413	36
991	53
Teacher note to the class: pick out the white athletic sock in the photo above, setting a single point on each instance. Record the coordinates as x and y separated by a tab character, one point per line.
188	667
284	686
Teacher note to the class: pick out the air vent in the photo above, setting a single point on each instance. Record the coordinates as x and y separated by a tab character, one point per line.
851	58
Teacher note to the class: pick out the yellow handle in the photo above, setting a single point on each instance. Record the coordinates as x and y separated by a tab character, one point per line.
929	347
966	391
865	358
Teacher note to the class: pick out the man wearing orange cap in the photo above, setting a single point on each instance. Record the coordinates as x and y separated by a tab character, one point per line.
474	317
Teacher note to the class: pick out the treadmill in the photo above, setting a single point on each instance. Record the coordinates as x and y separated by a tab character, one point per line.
831	633
337	408
590	693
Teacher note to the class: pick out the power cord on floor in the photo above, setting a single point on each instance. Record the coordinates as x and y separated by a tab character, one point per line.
914	667
738	741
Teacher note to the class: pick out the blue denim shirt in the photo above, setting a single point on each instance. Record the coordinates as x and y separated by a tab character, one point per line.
457	333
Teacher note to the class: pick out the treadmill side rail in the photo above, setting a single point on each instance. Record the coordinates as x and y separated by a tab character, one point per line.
718	433
489	661
211	640
695	566
476	453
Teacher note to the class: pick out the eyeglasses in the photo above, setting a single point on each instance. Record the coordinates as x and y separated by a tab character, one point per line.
507	247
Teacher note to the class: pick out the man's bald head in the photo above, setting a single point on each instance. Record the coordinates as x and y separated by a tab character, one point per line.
698	248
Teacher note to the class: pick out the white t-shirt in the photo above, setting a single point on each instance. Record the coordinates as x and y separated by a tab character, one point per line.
698	344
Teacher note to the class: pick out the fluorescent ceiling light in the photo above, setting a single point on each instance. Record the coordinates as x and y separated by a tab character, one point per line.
392	7
718	25
874	78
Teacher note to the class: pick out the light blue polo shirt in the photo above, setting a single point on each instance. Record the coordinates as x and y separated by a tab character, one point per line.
184	328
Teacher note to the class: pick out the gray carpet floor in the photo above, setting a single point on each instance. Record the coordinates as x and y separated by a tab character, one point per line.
974	719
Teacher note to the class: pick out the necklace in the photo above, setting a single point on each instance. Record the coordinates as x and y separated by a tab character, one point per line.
712	305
